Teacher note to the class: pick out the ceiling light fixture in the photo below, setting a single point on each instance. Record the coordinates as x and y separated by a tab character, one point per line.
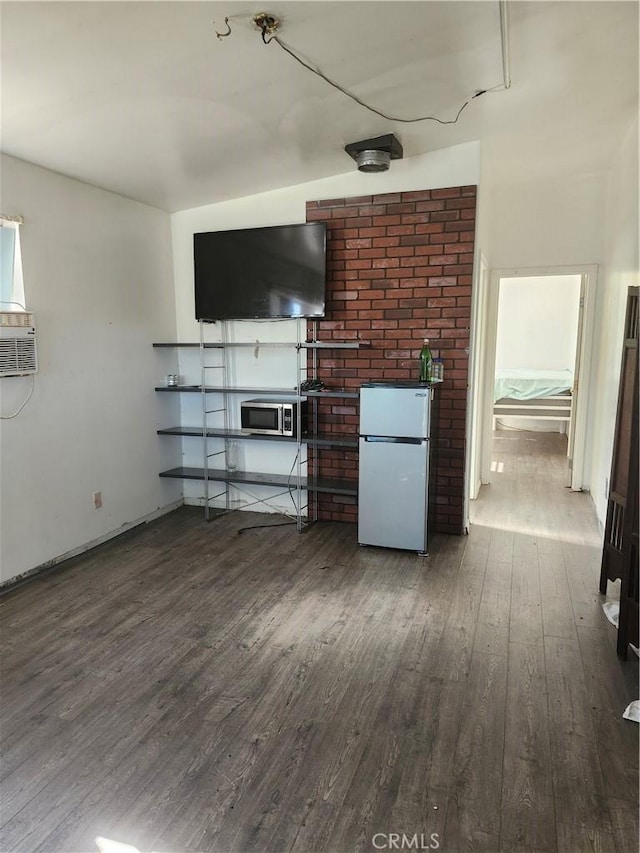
375	154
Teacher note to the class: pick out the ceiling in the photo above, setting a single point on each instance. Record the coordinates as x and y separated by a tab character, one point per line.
141	98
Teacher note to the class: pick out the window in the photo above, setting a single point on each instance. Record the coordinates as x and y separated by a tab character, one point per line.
11	280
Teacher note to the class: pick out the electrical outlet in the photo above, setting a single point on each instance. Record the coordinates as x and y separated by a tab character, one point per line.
97	499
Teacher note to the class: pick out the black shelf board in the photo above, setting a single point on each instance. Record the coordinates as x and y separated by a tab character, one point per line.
324	485
302	344
223	433
334	392
329	486
321	440
191	344
226	344
335	344
291	392
333	440
213	389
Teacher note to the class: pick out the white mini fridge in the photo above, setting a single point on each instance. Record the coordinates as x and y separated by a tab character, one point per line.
393	493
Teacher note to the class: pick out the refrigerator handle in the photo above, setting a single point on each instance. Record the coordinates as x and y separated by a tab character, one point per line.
386	439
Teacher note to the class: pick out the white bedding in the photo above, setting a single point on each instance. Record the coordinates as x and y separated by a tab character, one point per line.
524	383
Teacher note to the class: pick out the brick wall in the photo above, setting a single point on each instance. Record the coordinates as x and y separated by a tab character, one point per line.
399	269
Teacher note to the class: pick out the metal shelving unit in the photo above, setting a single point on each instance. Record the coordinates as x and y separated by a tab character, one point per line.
299	483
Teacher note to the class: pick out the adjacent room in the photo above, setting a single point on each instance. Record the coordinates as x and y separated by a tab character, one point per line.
319	426
536	365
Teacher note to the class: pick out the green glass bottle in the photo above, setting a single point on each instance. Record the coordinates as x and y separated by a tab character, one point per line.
425	362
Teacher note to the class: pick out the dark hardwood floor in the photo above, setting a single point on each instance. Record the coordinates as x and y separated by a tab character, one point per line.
186	688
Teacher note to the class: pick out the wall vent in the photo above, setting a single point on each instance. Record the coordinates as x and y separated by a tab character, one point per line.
18	355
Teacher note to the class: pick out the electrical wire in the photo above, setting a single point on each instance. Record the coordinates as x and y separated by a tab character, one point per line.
23	404
323	76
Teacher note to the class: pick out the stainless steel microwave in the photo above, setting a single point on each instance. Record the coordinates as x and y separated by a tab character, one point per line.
273	417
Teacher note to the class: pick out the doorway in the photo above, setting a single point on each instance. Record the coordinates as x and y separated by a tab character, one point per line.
538	354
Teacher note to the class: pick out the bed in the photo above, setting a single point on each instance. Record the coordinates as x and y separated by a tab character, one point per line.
533	394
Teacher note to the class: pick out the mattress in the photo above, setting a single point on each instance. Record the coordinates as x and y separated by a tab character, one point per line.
524	383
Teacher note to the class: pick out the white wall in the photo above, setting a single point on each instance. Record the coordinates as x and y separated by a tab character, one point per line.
541	223
538	322
620	270
456	166
98	275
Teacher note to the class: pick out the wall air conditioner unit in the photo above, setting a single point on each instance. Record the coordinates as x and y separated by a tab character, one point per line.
17	343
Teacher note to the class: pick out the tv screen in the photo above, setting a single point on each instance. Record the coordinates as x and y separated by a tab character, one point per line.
254	273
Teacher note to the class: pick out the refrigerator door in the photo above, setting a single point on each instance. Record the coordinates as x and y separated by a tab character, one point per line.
394	410
392	493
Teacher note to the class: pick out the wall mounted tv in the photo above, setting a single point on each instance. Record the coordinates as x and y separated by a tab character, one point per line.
259	273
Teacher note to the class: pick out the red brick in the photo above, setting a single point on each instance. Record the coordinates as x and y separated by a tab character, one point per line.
384	263
461	203
436	249
440	281
416	195
427	206
399	251
370	296
372	210
401	207
447	192
341	233
445	216
458	247
387	198
318	215
386	221
453	269
400	230
372	232
418	239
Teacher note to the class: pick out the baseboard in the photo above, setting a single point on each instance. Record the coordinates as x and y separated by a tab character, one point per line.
57	562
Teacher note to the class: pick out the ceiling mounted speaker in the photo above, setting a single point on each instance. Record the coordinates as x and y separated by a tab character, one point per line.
375	155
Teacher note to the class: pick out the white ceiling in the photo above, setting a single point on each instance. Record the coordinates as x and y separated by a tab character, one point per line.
141	98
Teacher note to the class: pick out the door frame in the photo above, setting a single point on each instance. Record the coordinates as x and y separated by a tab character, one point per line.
475	386
589	275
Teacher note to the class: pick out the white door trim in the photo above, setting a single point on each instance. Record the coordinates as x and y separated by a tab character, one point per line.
475	387
589	274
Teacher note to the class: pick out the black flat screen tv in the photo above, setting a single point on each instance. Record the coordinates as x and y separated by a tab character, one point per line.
260	273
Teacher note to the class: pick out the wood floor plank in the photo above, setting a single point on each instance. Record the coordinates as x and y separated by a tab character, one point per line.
624	822
472	817
525	622
577	776
609	693
528	815
557	609
492	622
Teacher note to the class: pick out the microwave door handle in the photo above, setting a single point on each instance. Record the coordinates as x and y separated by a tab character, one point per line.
280	420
